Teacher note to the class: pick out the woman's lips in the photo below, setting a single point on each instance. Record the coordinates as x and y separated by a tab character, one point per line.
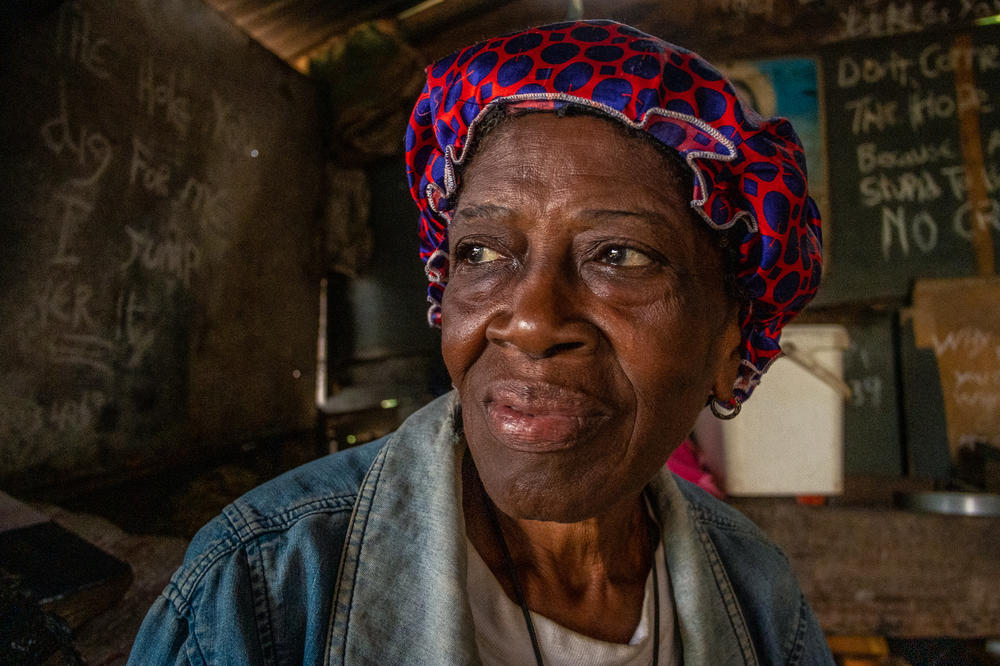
542	417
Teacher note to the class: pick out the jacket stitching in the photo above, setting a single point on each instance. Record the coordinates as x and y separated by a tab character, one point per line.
194	654
746	530
287	516
177	591
261	605
369	496
735	613
351	542
797	639
707	515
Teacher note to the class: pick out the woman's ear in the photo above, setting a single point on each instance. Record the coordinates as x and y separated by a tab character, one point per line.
728	369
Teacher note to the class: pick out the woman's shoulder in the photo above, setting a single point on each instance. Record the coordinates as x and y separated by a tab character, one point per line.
769	596
742	547
264	568
313	501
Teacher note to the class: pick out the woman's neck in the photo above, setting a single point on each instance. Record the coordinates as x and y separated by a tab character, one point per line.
588	576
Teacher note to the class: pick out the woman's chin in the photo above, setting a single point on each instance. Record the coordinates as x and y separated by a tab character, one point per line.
535	497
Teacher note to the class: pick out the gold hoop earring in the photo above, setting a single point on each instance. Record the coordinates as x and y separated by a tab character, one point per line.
722	412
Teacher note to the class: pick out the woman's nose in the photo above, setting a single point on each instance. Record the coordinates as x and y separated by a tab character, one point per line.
543	315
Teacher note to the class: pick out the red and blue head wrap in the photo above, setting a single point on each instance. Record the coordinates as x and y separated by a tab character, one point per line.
748	171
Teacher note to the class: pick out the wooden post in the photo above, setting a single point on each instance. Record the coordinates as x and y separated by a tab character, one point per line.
967	97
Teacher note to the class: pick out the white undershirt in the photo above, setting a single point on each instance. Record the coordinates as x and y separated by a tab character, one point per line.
502	634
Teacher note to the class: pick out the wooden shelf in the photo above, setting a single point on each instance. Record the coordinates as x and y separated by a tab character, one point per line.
888	572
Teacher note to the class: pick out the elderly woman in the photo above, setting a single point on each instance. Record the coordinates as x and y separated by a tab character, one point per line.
613	241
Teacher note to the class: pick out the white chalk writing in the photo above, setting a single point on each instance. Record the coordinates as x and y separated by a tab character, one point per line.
892	20
74	212
75	39
139	329
23	419
229	127
161	95
936	59
852	71
984	219
867	392
63	302
881	19
993	142
909	186
985	400
869	113
969	341
977	378
921	229
924	107
872	157
90	351
208	202
970	378
155	178
173	256
91	149
744	8
958	179
77	414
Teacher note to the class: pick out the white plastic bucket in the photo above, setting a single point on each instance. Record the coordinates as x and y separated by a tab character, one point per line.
788	438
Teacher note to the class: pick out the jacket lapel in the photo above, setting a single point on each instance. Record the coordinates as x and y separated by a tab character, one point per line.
712	628
401	593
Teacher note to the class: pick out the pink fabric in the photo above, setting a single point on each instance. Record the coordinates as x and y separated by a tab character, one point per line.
686	463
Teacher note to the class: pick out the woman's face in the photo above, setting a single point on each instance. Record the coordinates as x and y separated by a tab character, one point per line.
585	320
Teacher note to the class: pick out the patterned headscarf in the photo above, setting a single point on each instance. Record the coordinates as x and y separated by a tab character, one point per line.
748	171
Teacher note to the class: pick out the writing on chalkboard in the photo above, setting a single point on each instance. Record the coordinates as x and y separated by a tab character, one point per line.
149	142
76	41
744	8
872	442
958	320
869	113
899	178
872	18
934	60
161	92
72	415
105	319
967	355
90	149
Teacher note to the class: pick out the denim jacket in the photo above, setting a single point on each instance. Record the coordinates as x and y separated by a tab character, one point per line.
359	558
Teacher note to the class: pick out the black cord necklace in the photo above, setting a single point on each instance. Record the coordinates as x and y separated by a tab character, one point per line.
515	583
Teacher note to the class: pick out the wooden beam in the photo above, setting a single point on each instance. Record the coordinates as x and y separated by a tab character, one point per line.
969	108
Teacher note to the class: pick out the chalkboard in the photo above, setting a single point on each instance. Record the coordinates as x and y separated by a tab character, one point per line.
158	296
898	194
925	423
872	440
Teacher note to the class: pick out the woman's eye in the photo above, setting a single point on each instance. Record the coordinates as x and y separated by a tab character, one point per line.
478	254
625	256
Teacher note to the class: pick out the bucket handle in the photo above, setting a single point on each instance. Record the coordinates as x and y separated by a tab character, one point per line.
813	367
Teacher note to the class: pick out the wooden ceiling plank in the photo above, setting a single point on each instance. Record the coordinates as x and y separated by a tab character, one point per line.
316	36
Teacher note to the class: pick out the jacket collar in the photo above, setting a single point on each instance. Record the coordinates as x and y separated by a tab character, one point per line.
401	587
712	627
401	595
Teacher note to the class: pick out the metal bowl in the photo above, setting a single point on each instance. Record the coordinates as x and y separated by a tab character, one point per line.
954	503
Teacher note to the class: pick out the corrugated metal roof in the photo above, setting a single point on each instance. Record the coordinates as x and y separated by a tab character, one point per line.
293	28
